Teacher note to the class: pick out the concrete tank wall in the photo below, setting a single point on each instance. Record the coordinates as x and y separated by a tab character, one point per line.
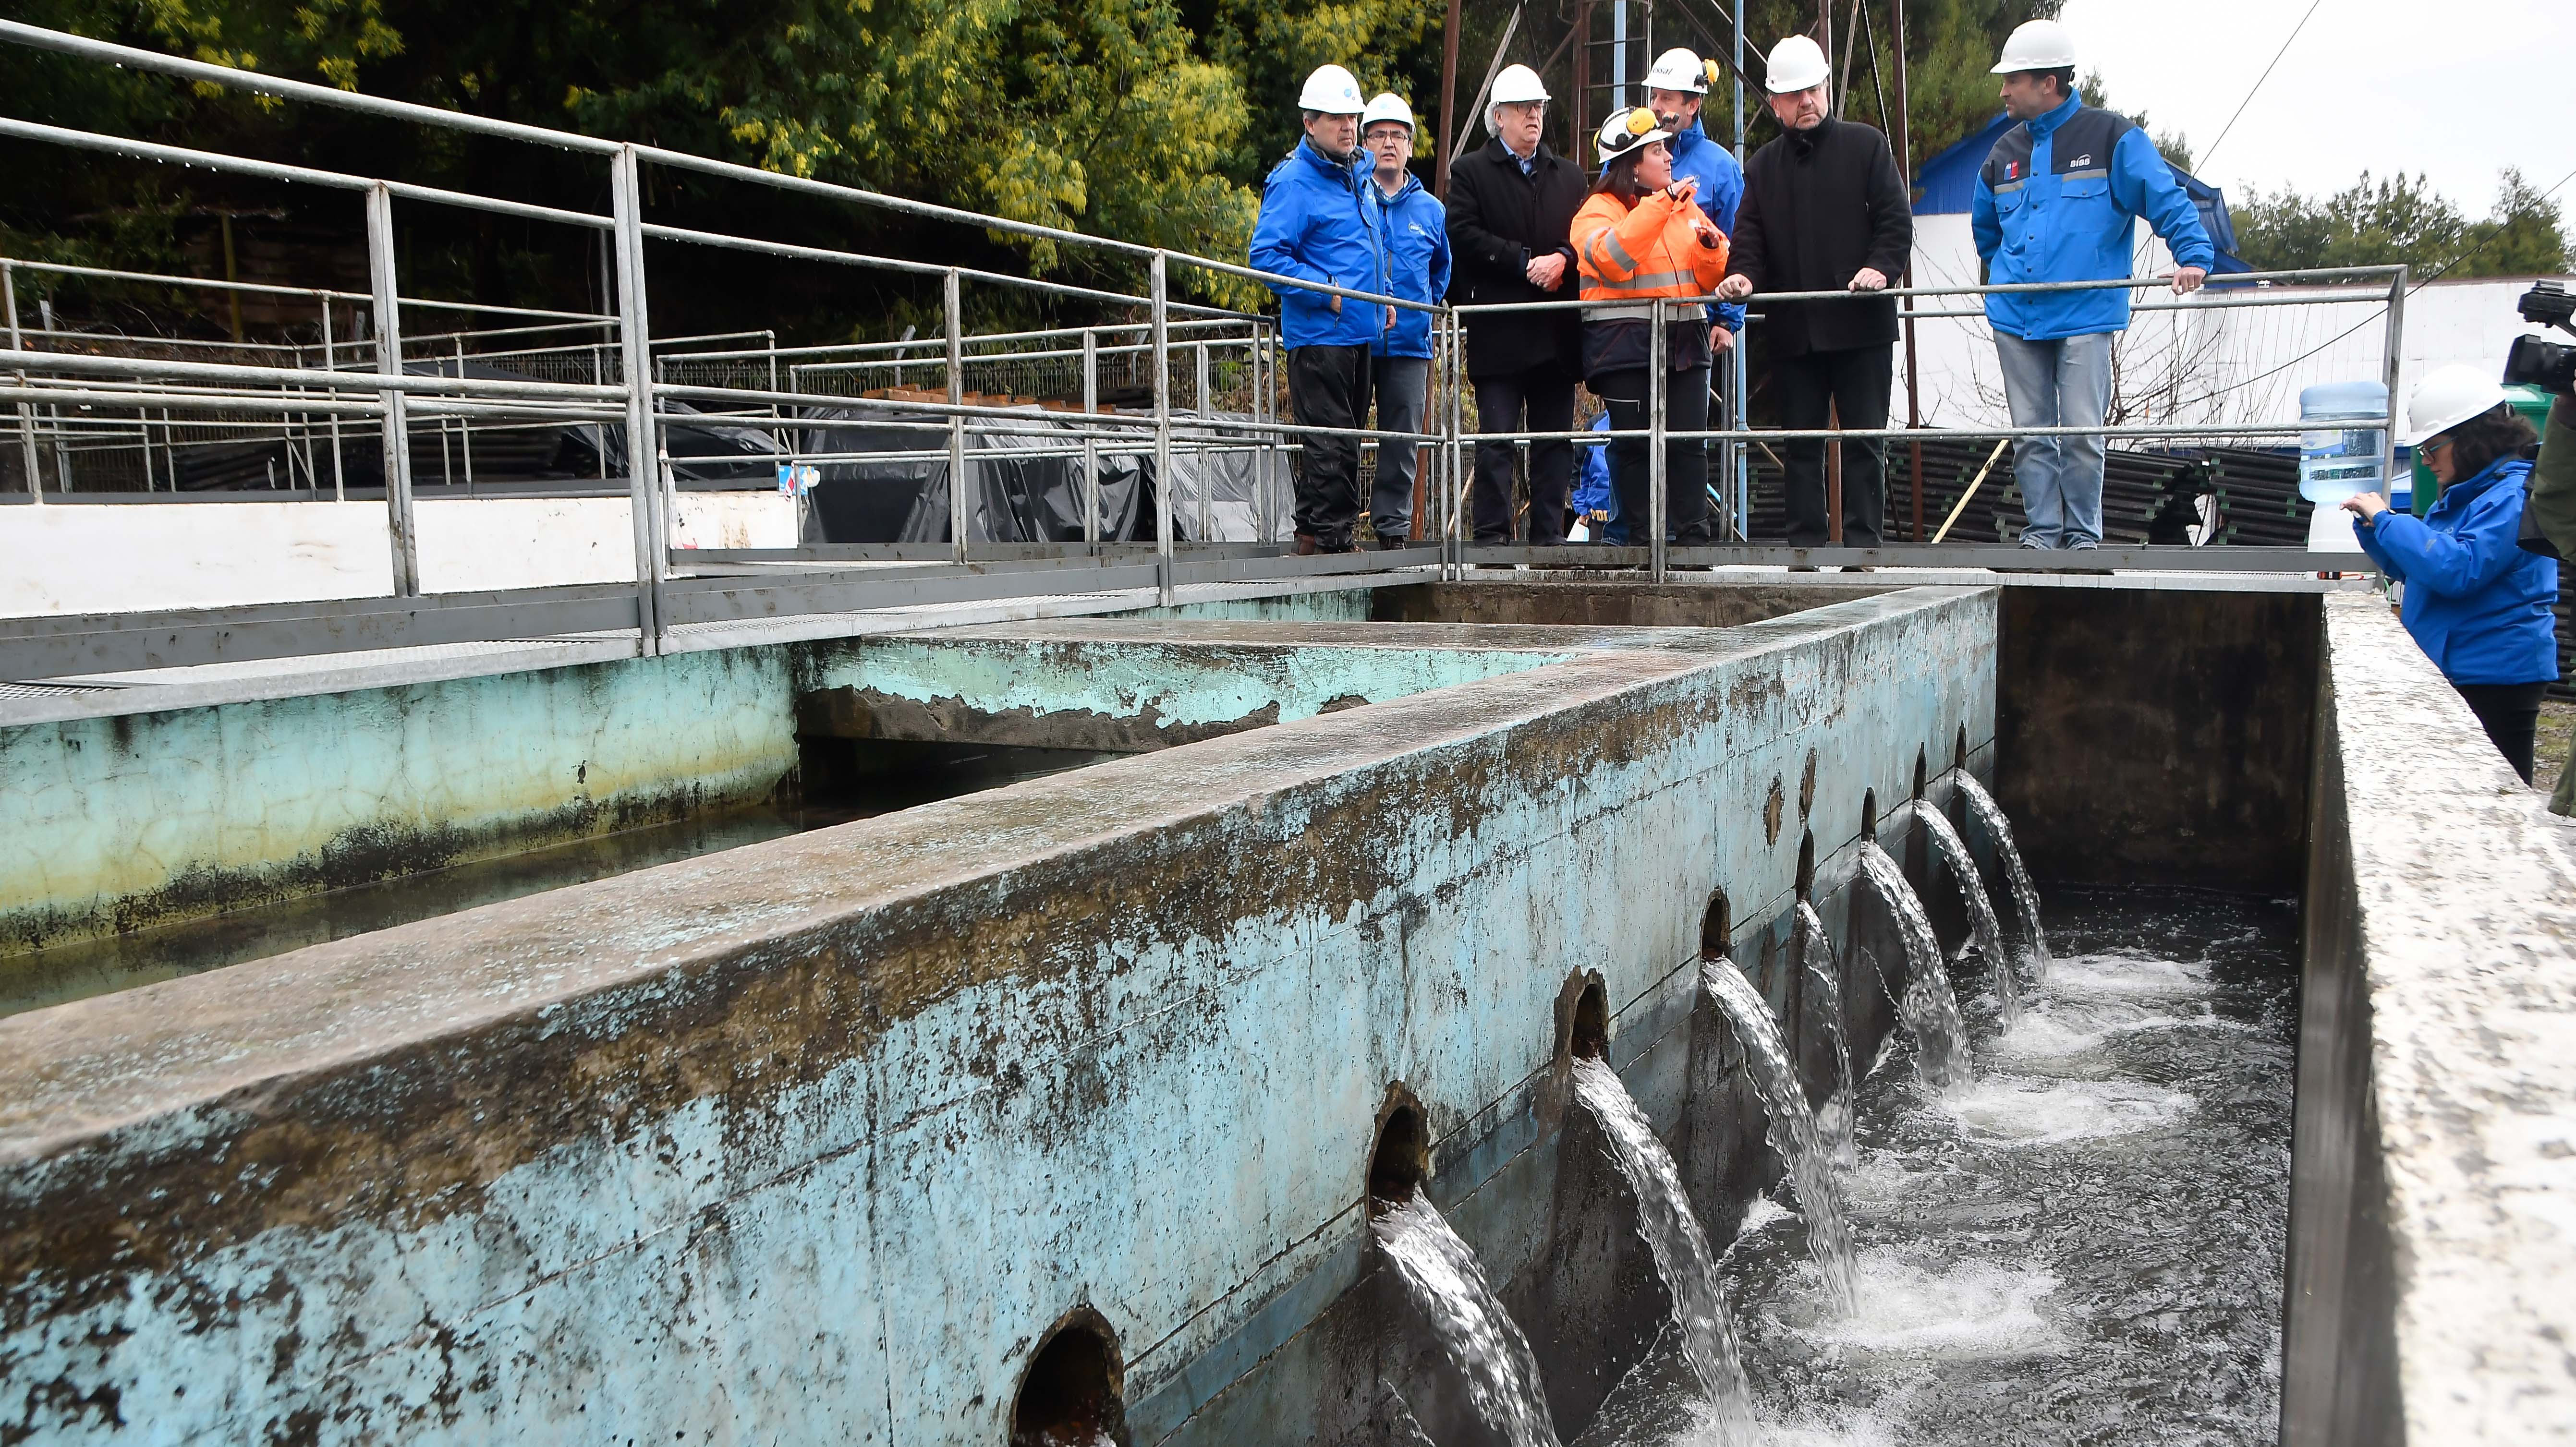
2432	1276
815	1139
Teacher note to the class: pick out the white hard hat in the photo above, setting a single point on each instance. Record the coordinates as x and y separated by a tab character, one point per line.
2037	45
1628	132
1517	83
1796	64
1679	69
1331	91
2448	397
1387	107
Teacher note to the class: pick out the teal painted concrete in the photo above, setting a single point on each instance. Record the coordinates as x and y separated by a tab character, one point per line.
120	823
811	1141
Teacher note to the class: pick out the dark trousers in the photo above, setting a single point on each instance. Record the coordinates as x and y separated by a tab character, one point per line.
2510	713
1400	384
1686	513
1329	387
1538	400
1854	382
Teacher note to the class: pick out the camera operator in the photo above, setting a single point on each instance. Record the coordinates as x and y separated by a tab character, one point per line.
2549	512
2479	606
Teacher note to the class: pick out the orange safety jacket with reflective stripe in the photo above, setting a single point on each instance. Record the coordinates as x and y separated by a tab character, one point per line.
1633	256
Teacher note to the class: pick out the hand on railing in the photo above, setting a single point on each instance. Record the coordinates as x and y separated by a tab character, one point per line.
1735	288
1869	278
2189	278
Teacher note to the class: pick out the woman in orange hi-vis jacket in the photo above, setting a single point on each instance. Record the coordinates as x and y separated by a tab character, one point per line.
1639	237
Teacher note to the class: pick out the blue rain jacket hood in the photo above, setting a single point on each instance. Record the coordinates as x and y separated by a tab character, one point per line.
1721	191
2058	200
1415	229
1316	225
2476	603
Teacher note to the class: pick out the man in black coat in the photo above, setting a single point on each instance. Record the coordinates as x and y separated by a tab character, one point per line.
1824	209
1511	212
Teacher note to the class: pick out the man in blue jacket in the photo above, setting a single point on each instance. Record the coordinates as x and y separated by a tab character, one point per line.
2058	200
1317	225
1416	232
1676	88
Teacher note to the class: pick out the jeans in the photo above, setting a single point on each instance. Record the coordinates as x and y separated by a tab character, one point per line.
2510	713
1400	384
1538	400
1853	382
1686	512
1329	387
2063	383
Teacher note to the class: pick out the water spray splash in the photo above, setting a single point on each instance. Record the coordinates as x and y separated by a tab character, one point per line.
1929	1008
1792	1128
1474	1332
1990	815
1834	1119
1981	913
1680	1246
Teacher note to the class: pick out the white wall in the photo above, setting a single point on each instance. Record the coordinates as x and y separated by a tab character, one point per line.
2209	363
106	557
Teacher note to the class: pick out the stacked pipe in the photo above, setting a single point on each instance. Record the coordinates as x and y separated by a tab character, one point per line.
2146	496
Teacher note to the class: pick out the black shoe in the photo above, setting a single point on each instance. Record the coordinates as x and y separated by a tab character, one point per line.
1391	545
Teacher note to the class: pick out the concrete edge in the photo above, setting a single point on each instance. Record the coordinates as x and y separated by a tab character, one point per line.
2464	889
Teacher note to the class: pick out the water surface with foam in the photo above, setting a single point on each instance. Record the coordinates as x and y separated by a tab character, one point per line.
2083	1245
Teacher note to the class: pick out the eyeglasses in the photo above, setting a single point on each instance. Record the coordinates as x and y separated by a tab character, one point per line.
2431	445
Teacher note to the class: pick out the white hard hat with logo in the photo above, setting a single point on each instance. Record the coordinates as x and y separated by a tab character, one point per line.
1331	91
2037	45
1626	133
1796	64
1517	85
1387	107
1679	69
2448	397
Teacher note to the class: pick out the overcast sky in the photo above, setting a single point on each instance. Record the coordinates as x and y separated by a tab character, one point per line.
2456	89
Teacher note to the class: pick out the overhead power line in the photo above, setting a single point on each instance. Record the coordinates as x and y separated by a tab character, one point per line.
2258	83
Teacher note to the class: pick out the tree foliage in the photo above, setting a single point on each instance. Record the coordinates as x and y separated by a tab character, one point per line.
1147	120
2389	219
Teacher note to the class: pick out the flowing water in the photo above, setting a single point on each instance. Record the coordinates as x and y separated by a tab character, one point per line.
1674	1235
2086	1245
1988	930
1474	1332
1824	976
1929	1007
1990	817
1792	1127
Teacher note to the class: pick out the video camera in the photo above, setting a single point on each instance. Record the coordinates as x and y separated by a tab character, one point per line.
2548	365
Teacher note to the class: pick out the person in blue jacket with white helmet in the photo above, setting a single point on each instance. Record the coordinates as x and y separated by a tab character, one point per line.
2058	200
1317	225
2476	602
1676	87
1416	232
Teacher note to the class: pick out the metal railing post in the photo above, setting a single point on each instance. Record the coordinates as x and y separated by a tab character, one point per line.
1090	435
330	363
635	357
1206	429
2394	366
1656	509
397	420
464	428
953	304
26	411
1161	300
1461	458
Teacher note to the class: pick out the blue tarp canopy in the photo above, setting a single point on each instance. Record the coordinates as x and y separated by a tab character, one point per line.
1947	185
